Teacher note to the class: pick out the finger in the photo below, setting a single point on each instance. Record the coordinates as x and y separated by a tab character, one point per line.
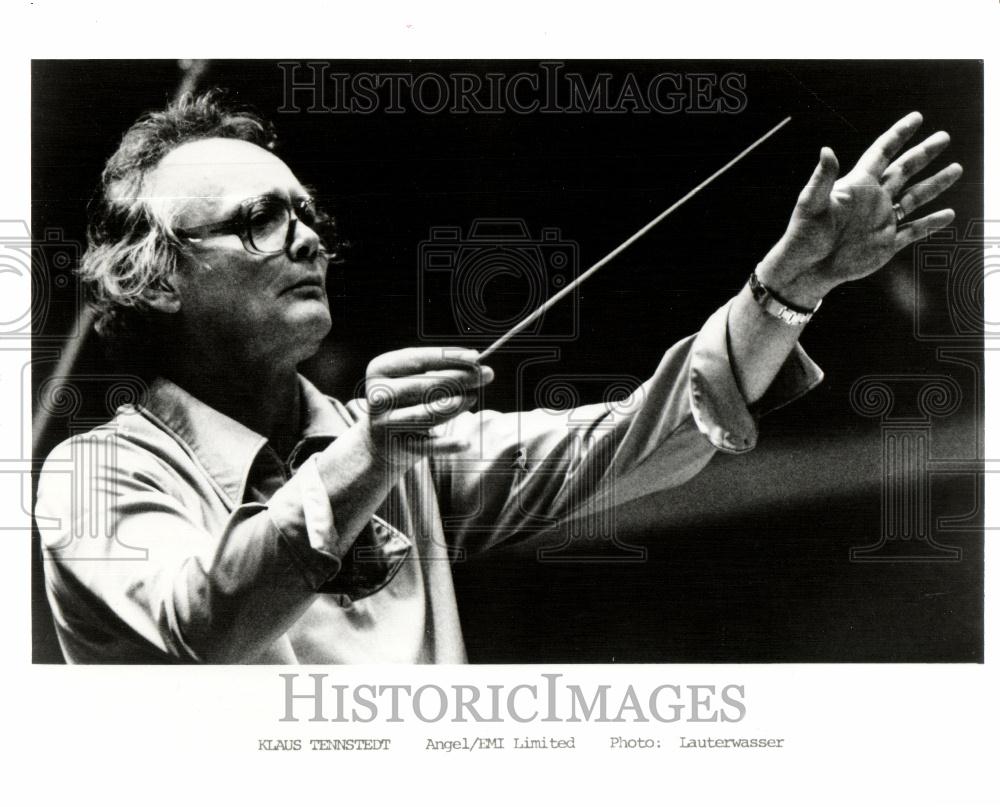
425	416
386	393
928	190
913	162
413	360
921	228
815	196
876	159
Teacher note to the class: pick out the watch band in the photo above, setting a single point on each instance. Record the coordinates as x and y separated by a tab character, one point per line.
778	308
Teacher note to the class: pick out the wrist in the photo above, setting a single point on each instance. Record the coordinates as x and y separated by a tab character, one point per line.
778	307
357	482
385	453
358	451
798	283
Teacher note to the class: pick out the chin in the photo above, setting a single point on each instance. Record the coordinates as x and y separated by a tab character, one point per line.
310	329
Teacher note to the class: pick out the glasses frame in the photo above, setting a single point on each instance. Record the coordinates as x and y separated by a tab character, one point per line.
239	224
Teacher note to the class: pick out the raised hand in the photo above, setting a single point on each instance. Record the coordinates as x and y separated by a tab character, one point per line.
844	229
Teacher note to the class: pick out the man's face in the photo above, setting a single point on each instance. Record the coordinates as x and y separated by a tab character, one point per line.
268	308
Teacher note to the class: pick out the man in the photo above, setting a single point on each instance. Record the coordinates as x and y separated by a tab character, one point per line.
238	515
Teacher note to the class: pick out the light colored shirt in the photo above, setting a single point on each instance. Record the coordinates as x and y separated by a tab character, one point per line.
175	534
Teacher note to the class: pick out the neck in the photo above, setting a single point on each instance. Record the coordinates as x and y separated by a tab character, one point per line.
262	397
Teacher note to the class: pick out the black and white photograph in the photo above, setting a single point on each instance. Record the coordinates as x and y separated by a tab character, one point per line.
368	400
586	415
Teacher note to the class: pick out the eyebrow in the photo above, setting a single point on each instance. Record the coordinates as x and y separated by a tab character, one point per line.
307	192
294	196
229	212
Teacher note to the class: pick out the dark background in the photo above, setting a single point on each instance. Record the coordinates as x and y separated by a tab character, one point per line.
749	562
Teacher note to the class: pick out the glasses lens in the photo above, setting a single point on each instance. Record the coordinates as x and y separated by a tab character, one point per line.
267	223
317	220
307	212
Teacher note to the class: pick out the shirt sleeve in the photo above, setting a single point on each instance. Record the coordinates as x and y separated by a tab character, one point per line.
351	568
528	471
139	566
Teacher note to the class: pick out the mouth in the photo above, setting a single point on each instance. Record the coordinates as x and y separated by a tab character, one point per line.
307	284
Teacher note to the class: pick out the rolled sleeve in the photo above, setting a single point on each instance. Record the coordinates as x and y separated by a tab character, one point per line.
719	409
353	567
301	513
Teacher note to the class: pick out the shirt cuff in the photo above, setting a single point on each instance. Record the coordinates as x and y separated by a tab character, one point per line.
354	568
719	408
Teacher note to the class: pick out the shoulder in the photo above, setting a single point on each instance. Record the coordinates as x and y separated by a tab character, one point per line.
131	430
132	446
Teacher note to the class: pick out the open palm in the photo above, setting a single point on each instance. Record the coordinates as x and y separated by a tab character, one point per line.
844	229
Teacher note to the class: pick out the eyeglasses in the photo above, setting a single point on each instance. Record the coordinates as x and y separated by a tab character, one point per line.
265	224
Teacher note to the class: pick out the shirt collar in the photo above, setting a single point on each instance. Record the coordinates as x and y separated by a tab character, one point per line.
227	449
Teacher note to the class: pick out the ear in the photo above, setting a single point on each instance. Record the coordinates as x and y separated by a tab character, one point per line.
163	296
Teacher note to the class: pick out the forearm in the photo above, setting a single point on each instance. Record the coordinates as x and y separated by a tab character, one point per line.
534	467
255	589
311	539
356	481
759	345
759	342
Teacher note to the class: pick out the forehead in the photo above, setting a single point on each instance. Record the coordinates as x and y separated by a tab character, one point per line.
212	175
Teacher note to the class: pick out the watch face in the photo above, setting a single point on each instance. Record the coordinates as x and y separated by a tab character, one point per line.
790	317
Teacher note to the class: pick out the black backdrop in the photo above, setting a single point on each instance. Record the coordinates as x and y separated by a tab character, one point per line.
749	562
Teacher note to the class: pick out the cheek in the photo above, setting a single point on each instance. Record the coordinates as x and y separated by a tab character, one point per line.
217	279
214	287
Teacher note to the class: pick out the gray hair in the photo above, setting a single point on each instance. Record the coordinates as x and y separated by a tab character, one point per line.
131	246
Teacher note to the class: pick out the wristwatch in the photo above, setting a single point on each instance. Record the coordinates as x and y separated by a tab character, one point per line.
778	308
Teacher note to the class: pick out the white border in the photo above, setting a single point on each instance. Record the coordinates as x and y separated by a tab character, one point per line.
886	734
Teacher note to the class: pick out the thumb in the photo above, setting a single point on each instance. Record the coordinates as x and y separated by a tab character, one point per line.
815	195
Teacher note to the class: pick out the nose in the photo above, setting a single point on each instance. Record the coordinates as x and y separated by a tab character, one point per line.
303	242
